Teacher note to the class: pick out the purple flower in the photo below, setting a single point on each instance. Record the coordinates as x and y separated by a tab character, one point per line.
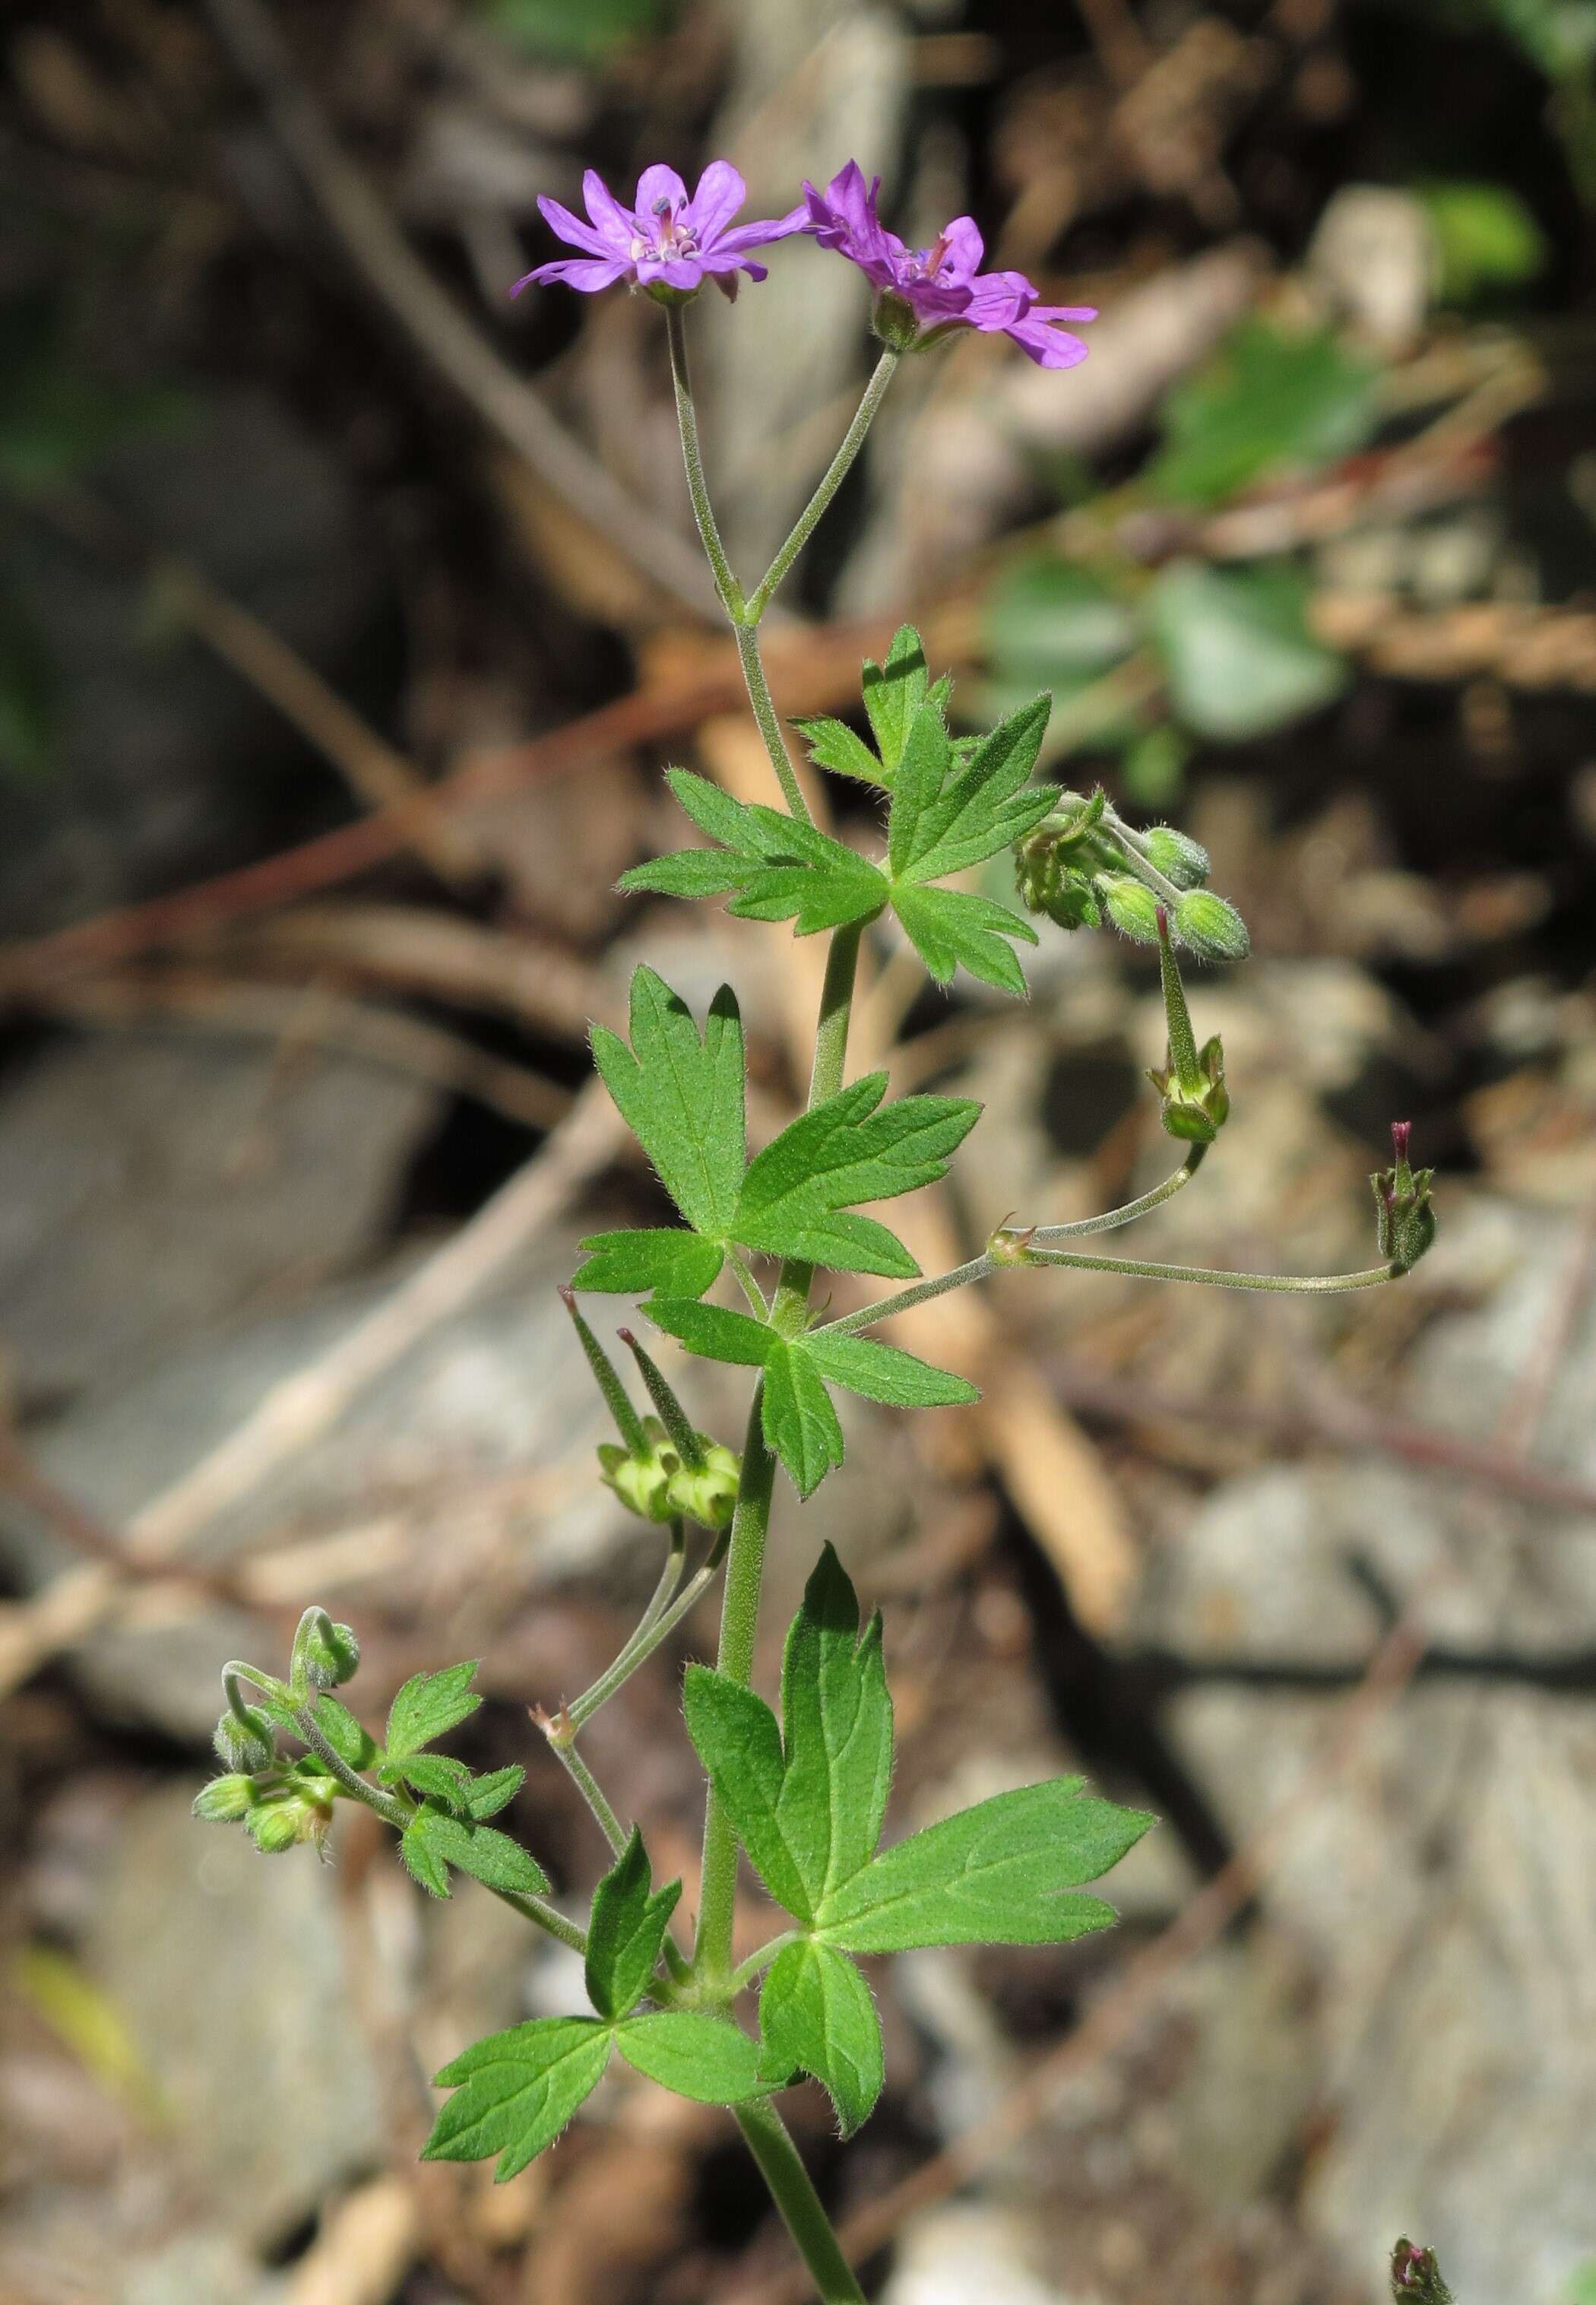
941	286
667	242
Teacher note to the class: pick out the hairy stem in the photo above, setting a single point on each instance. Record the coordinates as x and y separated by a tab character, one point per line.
1281	1284
809	519
799	2205
703	511
982	1267
643	1643
587	1785
770	729
739	1623
757	1963
750	1525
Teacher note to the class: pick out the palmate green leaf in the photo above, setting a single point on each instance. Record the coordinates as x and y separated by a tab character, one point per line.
949	927
626	1931
485	1796
998	1874
682	1098
515	2091
427	1706
434	1839
797	1416
943	824
806	1800
796	1198
834	746
817	2017
665	1257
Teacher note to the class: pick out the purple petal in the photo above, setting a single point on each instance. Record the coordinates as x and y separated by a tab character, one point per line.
723	259
756	236
572	229
614	226
965	249
997	300
1048	346
677	272
659	184
582	272
721	193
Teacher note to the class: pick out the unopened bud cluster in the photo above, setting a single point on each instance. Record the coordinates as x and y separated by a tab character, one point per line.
658	1485
1405	1218
1086	867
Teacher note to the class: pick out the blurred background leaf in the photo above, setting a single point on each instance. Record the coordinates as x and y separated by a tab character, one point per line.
1236	643
1486	237
1271	402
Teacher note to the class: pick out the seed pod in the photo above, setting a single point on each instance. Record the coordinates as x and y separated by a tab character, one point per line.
710	1494
274	1826
1210	928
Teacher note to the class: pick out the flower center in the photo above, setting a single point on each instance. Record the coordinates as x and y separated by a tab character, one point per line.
671	237
926	263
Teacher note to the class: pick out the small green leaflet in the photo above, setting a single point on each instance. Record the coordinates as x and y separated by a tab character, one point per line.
808	1801
798	1419
681	1098
817	2017
779	869
626	1931
998	1874
428	1707
947	926
665	1257
947	815
797	1195
894	693
435	1838
515	2091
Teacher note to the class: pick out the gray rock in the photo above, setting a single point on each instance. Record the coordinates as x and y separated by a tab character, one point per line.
228	1969
150	1187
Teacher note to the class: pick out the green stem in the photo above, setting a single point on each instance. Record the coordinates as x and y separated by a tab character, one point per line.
703	511
739	1623
809	519
982	1267
743	1975
1281	1284
587	1785
765	713
750	1523
644	1642
799	2205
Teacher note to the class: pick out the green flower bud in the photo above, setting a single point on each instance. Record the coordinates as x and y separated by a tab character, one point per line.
284	1820
1194	1111
1074	904
709	1495
1416	2277
331	1653
224	1800
274	1826
1131	906
1405	1221
1210	928
1185	861
245	1743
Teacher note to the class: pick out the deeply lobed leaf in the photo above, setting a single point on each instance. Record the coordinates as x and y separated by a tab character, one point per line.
817	2017
683	1098
626	1931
